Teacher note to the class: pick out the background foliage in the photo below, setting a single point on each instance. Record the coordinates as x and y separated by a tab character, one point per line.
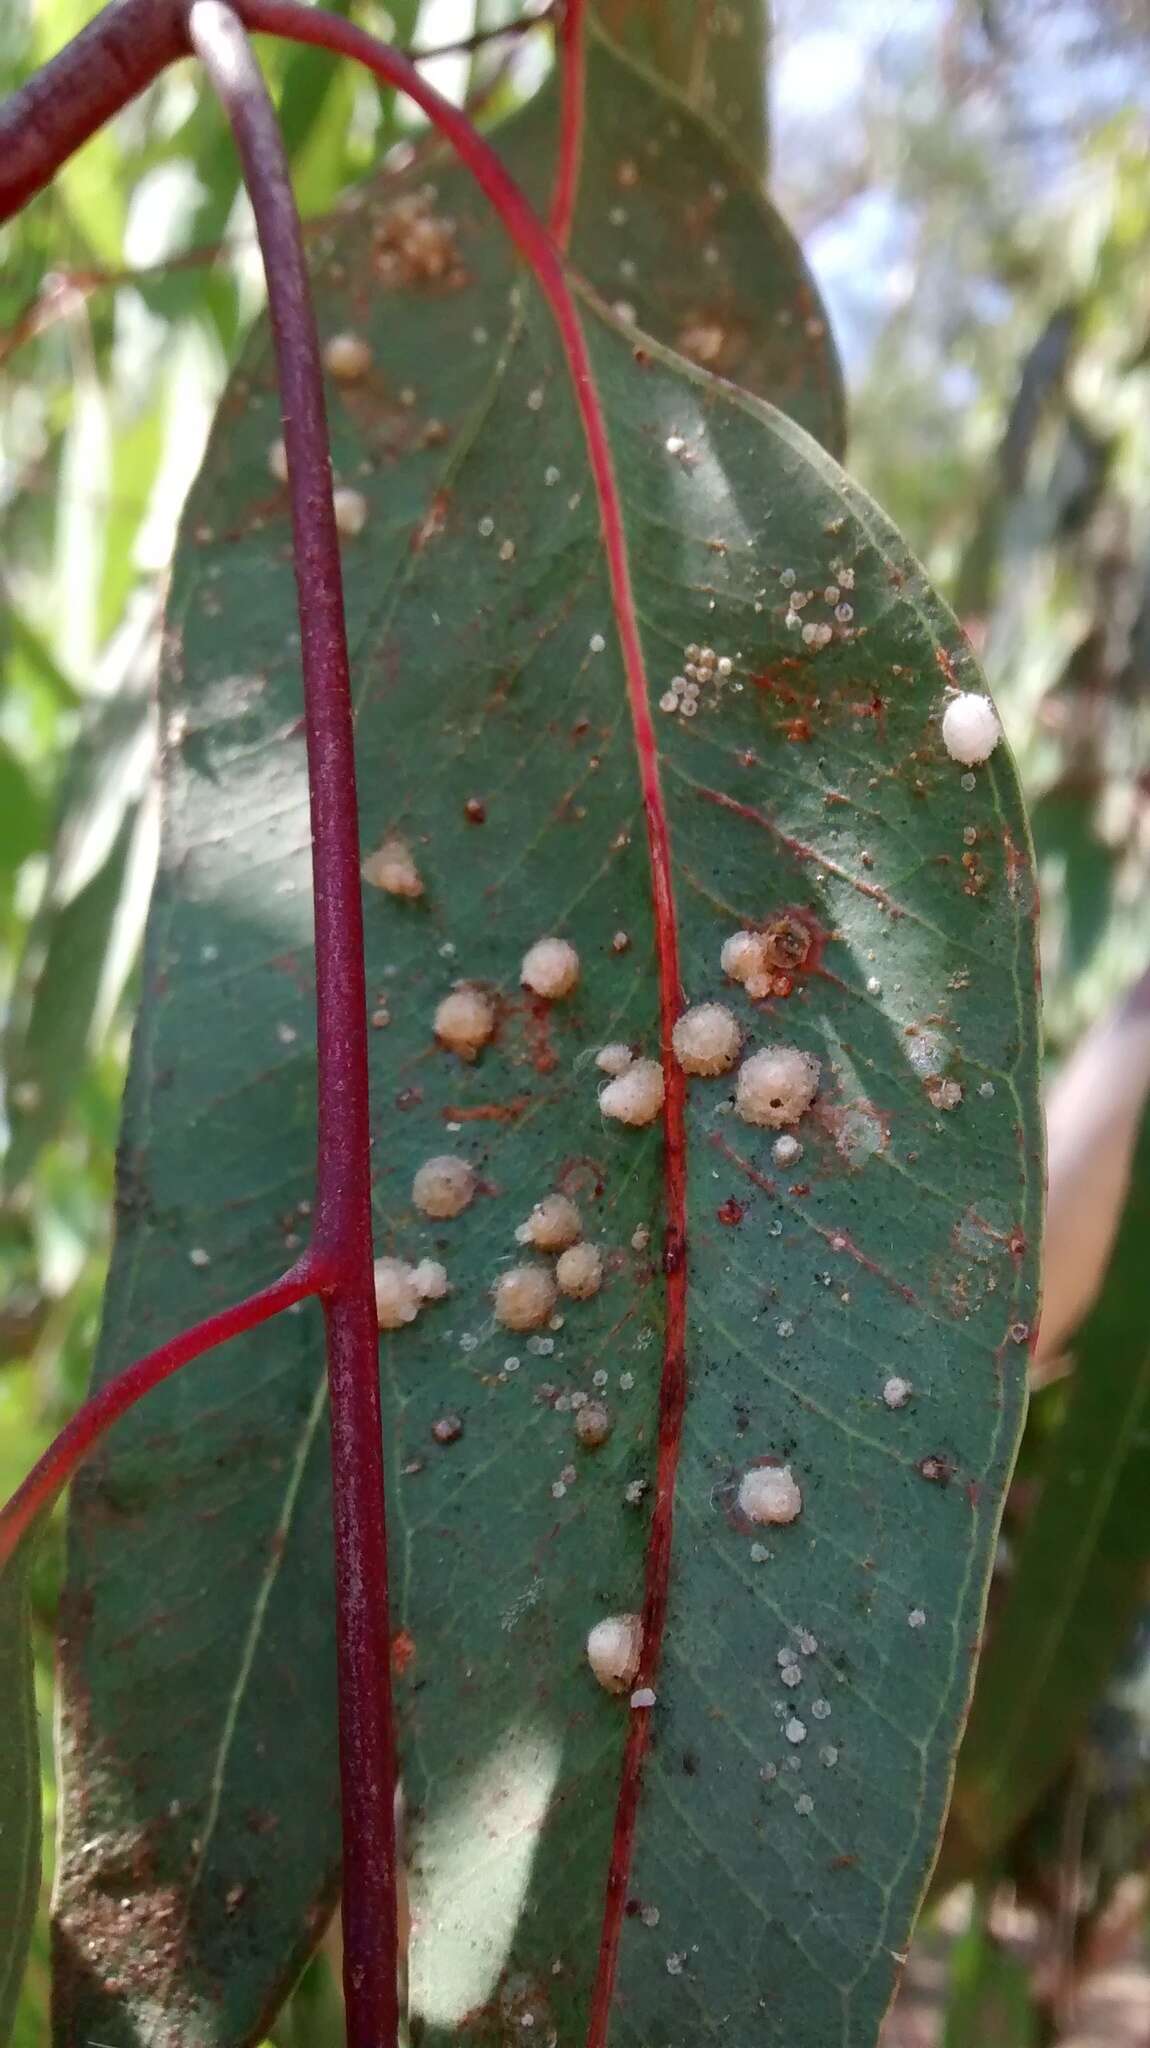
973	185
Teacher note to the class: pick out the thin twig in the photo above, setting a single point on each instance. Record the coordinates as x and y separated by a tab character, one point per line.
466	46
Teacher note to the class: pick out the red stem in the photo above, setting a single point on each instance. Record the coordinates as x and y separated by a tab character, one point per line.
312	25
51	1473
572	91
343	1235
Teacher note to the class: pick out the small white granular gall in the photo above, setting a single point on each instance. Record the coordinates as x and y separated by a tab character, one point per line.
524	1297
397	1299
553	1224
970	728
430	1280
770	1493
795	1730
580	1271
896	1392
636	1095
443	1186
613	1059
613	1651
550	968
277	461
464	1021
392	868
742	956
917	1617
706	1039
643	1696
593	1424
776	1086
350	508
786	1151
347	357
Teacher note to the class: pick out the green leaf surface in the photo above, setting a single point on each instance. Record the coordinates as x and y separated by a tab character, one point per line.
673	230
198	1726
1080	1571
717	56
19	1788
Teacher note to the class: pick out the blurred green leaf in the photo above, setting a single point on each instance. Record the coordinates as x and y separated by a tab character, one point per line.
1078	870
1080	1570
71	971
21	813
27	662
989	2002
136	448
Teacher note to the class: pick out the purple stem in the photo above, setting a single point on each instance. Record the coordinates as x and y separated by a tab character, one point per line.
342	1240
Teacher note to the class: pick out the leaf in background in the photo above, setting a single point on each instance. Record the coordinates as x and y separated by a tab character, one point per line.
83	939
21	813
1080	1570
811	788
136	450
715	55
989	2003
29	672
1093	1114
19	1788
1080	872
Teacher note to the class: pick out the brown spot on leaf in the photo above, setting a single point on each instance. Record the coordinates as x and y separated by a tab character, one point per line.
486	1112
538	1020
402	1652
937	1468
432	524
